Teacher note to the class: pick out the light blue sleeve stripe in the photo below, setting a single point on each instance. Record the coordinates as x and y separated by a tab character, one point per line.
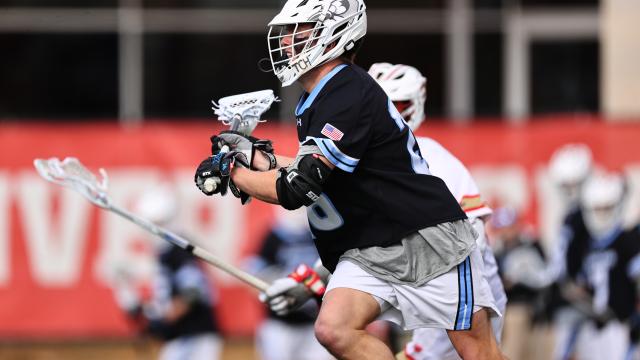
333	154
333	159
342	156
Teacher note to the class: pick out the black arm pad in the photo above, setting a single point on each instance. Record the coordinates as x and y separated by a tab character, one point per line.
301	185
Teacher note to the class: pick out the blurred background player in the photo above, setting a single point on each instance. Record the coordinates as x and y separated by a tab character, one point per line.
287	336
178	310
569	167
600	275
522	265
407	89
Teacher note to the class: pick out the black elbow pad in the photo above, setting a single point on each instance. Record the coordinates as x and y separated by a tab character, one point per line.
301	184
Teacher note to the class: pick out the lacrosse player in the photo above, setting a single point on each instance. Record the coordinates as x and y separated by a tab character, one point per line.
406	87
522	264
179	310
569	168
601	273
397	242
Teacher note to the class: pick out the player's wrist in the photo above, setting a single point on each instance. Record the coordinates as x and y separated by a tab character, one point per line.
263	161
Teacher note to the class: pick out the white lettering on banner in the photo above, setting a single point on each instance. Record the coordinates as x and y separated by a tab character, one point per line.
55	247
223	232
121	254
4	230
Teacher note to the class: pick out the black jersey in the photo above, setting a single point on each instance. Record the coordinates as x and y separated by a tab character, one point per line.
381	189
606	267
180	273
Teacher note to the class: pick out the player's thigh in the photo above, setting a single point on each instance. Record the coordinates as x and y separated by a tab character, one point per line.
447	301
347	308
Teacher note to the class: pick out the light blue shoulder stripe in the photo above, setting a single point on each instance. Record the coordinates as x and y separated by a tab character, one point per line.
316	90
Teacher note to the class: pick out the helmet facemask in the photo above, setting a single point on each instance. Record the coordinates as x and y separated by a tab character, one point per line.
290	47
406	88
412	110
602	201
569	167
308	35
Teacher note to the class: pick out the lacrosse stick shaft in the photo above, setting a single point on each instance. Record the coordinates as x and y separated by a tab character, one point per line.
72	174
193	249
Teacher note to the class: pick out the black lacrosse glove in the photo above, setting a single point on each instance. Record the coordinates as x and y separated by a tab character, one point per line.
244	143
213	175
248	145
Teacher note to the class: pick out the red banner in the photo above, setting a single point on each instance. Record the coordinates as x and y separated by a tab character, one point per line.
57	250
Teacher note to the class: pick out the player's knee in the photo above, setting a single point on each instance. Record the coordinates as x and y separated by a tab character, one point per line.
329	333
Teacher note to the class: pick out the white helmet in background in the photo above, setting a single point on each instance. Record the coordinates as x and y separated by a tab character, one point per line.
311	27
406	87
602	203
569	167
158	204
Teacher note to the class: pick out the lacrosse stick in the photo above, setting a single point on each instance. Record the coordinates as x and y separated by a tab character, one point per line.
72	174
242	114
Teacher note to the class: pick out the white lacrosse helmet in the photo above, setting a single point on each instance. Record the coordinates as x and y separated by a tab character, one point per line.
301	34
602	203
569	167
406	87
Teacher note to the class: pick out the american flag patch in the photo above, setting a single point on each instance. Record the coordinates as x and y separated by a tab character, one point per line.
332	132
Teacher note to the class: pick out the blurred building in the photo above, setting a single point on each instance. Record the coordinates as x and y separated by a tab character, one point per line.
152	59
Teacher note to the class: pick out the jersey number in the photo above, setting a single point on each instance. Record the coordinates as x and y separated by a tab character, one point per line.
323	215
419	164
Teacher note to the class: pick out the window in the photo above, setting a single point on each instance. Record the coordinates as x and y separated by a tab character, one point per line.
58	76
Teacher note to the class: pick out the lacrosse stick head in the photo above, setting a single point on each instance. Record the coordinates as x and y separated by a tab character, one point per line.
72	174
242	112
